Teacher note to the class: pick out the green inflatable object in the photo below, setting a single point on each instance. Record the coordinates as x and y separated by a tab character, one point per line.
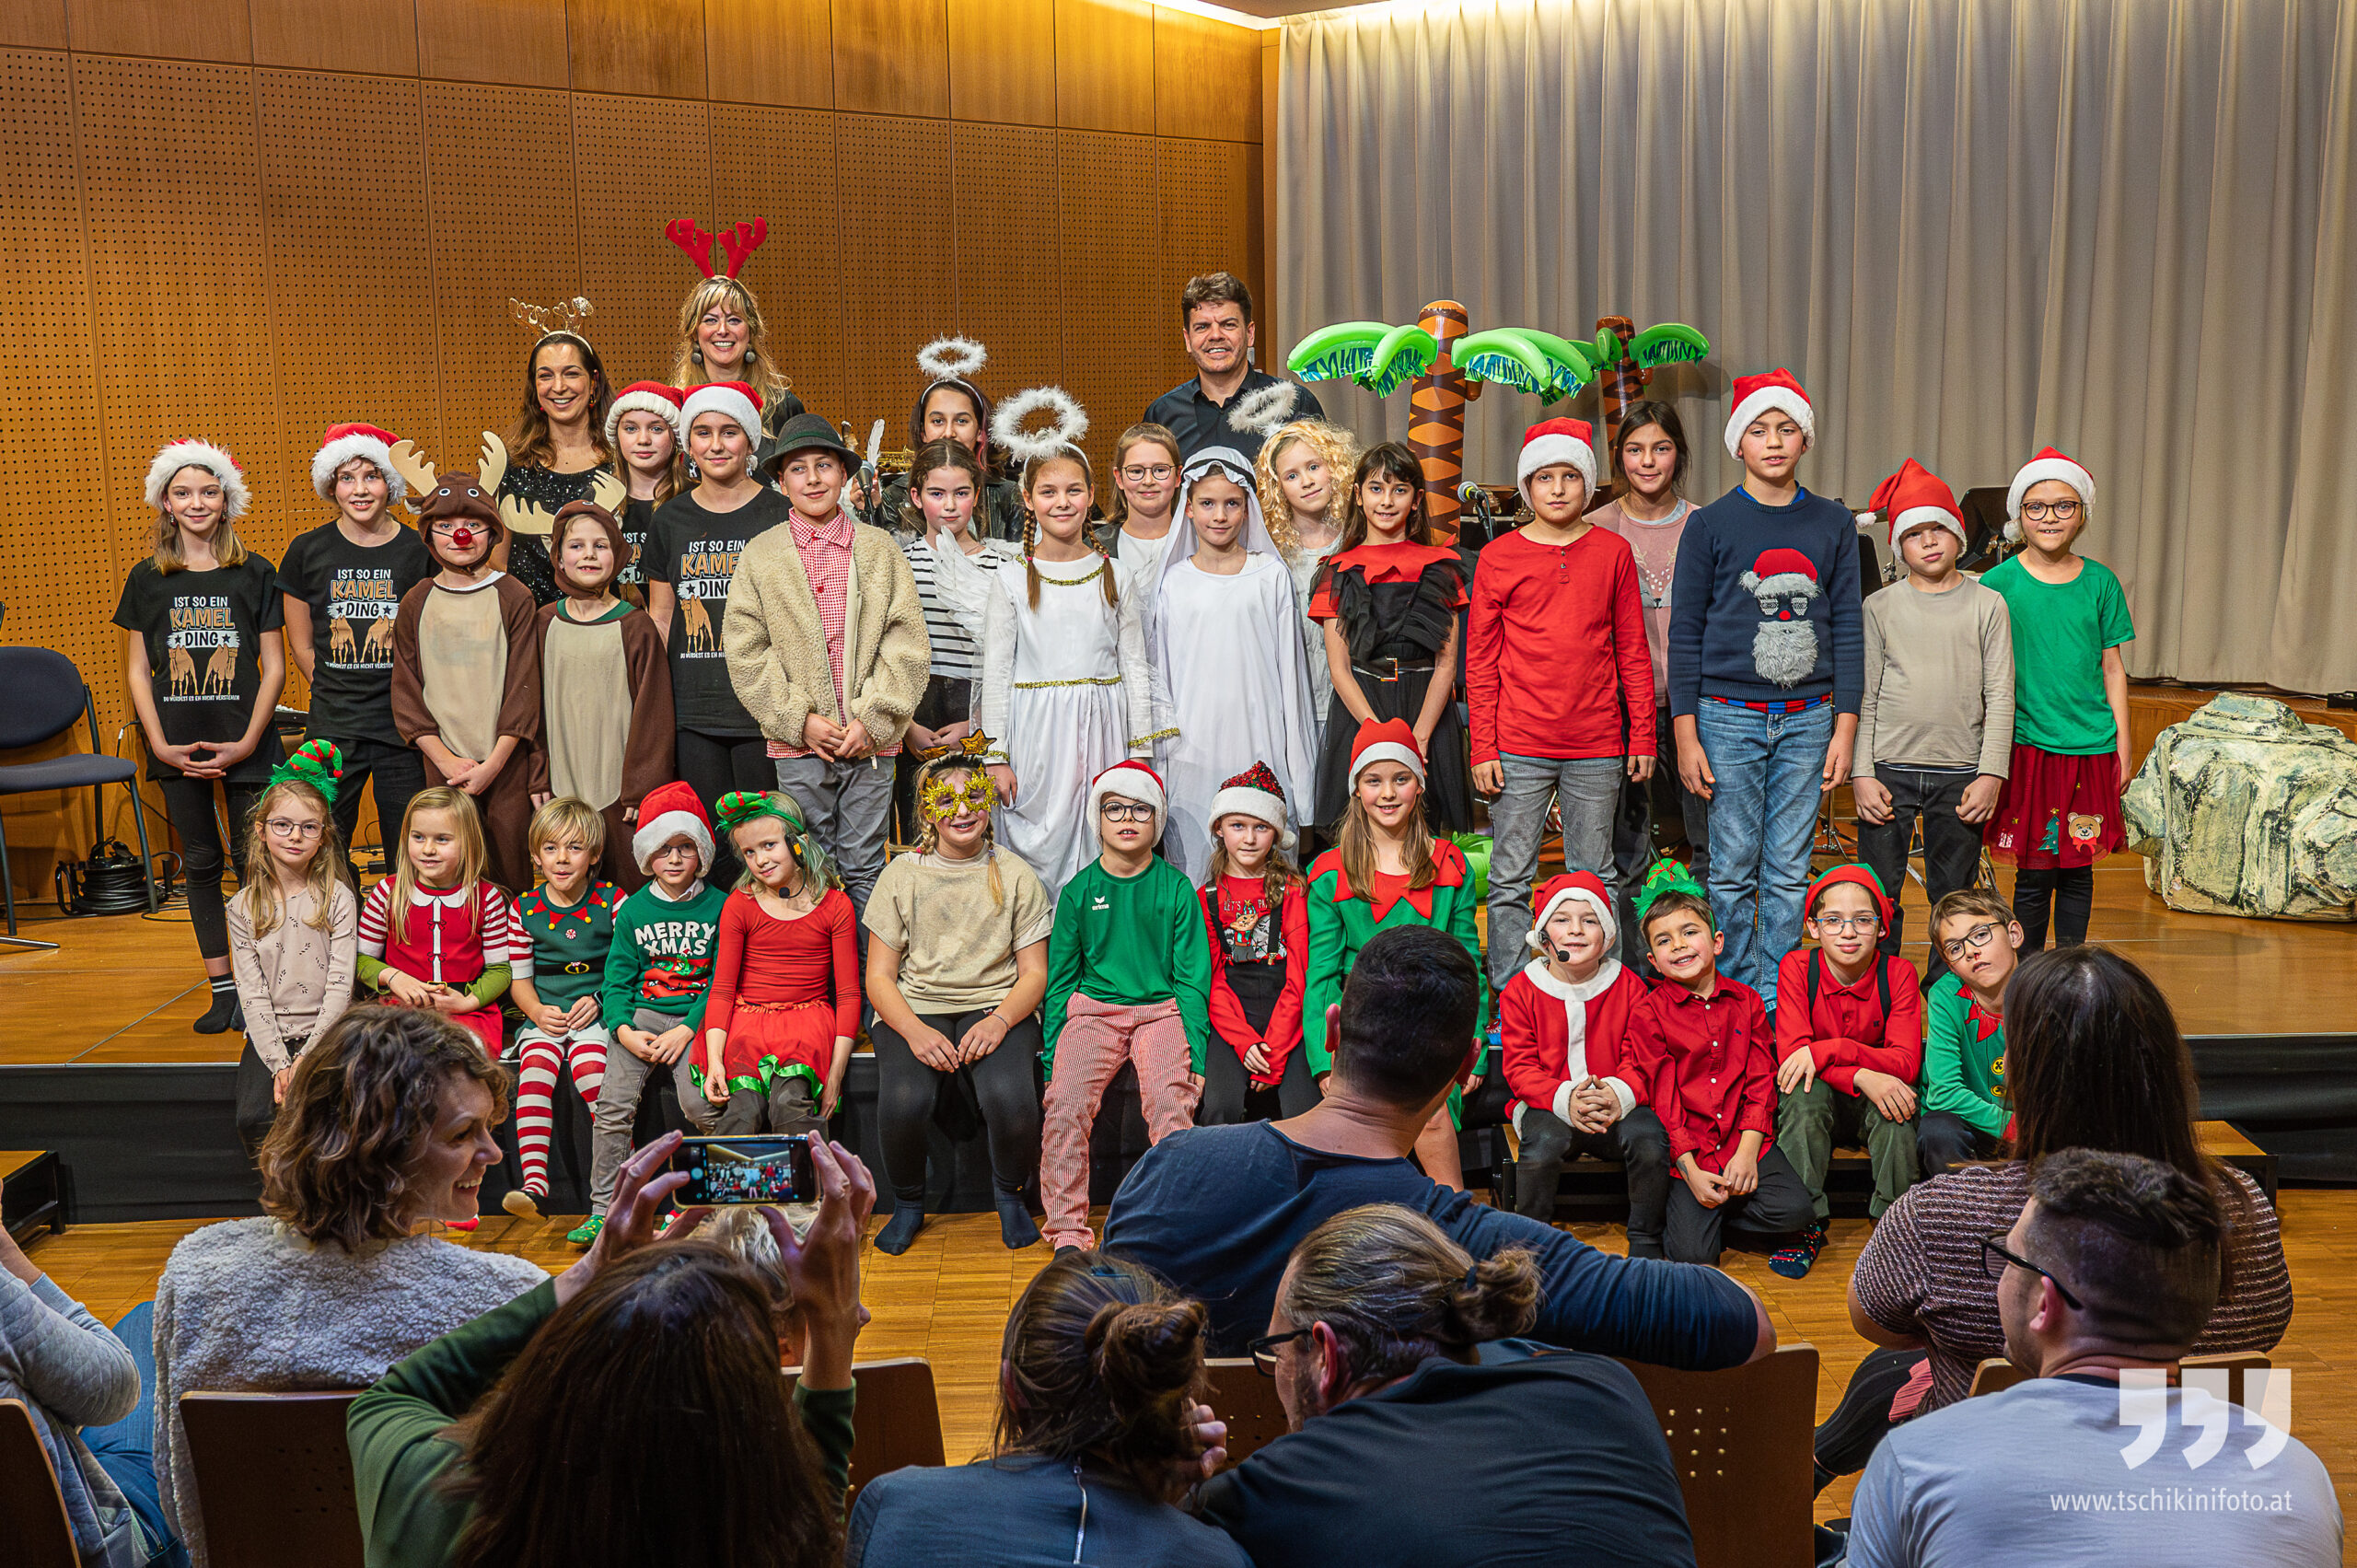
1670	343
1404	354
1475	847
1332	353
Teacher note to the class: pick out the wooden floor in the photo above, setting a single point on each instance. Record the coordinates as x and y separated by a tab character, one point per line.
947	1300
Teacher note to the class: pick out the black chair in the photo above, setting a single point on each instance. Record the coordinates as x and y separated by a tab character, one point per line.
40	696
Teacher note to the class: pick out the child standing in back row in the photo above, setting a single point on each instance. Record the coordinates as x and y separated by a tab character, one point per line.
2059	811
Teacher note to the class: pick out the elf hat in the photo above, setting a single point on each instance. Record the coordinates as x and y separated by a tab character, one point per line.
345	442
1131	780
1862	876
1755	395
1782	571
2049	463
1390	741
732	401
315	762
1577	887
669	812
189	453
1556	441
1254	793
1666	876
656	398
605	520
1914	496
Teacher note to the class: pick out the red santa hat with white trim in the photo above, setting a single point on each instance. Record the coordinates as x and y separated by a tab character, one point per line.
342	442
735	400
1131	780
2051	463
191	453
1782	571
671	811
658	398
1257	793
1389	740
1755	394
1556	441
1914	496
1573	887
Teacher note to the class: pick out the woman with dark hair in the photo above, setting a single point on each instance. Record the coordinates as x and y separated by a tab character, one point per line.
1098	1436
630	1410
2093	1060
388	1121
556	450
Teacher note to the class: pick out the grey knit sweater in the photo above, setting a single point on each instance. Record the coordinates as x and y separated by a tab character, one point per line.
72	1373
249	1305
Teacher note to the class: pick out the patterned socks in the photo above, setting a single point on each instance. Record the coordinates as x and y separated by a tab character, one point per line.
225	1006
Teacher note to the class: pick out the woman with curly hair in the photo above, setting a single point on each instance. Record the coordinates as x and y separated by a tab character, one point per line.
387	1123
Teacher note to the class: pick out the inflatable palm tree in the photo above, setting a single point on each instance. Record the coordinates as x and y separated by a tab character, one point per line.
1448	365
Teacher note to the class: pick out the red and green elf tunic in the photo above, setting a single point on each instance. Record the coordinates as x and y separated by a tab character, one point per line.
1343	919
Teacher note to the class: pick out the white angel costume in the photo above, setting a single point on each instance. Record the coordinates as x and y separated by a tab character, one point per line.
1229	652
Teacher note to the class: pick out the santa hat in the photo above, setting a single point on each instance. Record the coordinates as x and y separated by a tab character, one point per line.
1913	496
1131	780
1782	571
1576	886
1755	395
1556	441
671	811
1858	875
191	453
345	442
1255	793
732	400
2051	463
1388	741
656	398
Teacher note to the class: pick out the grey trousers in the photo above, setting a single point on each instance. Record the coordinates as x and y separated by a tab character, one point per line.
850	809
1589	788
618	1098
788	1108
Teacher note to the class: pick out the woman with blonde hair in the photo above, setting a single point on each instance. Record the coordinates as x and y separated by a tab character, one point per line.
721	338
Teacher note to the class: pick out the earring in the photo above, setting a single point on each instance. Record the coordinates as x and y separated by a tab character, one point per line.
696	354
751	357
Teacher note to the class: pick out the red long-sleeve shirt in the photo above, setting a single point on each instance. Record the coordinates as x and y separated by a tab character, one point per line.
1246	896
762	959
1846	1030
1535	1036
1553	625
1714	1074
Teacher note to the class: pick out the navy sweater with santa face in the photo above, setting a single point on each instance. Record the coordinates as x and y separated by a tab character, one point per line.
1765	605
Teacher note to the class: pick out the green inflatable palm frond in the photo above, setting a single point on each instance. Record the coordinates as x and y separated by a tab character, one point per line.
1330	354
1670	343
1404	351
1525	359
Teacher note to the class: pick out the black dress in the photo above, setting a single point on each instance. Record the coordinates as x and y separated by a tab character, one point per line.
528	554
1397	604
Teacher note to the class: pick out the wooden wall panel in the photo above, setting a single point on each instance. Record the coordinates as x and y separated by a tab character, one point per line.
1112	304
1105	66
778	51
996	48
377	37
166	29
637	46
1206	77
33	24
892	57
1010	295
797	275
1210	221
900	288
518	42
500	189
629	271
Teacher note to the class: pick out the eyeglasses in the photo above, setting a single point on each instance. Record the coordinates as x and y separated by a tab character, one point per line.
1849	922
1994	1256
1138	473
452	530
2061	511
1975	939
1125	811
285	828
669	850
1263	1350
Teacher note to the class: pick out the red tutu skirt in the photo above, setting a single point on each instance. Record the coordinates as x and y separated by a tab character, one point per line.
768	1039
2056	811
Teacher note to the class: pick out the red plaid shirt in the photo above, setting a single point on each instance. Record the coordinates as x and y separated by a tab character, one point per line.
1714	1071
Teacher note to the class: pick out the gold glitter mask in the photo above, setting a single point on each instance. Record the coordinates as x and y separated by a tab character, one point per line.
943	800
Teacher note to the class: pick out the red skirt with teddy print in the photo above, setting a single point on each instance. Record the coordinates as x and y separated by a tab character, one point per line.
2056	811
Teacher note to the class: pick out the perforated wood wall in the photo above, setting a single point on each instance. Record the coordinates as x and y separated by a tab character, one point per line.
246	221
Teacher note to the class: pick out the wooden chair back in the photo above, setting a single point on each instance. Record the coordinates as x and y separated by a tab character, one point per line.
898	1419
1248	1402
274	1477
2235	1364
1995	1376
1741	1441
34	1532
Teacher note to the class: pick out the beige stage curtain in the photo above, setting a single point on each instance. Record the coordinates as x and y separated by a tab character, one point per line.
1972	228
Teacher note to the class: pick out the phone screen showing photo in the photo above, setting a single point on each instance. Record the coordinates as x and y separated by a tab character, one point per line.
725	1171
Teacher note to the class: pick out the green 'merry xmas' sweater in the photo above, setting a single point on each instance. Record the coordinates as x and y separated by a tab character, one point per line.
662	953
1130	942
1343	919
1964	1058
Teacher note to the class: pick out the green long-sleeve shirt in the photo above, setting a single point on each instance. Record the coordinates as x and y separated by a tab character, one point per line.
399	1454
1343	920
1128	941
662	953
1964	1058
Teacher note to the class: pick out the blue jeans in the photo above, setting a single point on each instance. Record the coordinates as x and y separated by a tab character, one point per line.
1768	769
127	1449
1587	788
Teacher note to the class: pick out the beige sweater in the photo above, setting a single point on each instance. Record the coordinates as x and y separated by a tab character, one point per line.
777	646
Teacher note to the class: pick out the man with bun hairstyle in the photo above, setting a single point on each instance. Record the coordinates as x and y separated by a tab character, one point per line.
1555	656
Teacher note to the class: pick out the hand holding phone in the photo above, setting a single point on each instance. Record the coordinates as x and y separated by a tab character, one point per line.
724	1172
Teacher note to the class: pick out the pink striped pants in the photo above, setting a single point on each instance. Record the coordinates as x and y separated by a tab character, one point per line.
1098	1038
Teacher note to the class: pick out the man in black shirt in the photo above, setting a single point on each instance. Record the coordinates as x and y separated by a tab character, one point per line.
1215	314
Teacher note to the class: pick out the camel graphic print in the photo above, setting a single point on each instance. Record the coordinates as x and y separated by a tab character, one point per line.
202	650
705	568
361	607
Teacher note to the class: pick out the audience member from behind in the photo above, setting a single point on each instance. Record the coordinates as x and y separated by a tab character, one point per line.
2103	1283
1097	1438
630	1410
1373	1346
1217	1211
386	1122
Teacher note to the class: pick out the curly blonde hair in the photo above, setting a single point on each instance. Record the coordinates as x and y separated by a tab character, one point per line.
1330	441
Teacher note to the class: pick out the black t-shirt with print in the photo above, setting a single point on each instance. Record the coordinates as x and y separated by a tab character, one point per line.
528	554
204	631
353	591
638	528
695	552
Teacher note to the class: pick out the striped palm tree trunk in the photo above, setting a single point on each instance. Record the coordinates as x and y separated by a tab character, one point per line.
1437	418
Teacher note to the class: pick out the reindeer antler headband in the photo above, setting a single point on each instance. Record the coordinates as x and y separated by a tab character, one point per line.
738	243
566	316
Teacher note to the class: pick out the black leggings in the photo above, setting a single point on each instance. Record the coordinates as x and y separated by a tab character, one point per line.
396	773
189	803
999	1090
712	765
1231	1097
2072	891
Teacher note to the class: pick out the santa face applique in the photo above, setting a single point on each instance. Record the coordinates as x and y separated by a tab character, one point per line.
1785	649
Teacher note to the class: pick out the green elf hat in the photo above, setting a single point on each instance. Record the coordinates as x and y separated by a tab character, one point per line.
740	807
315	762
1666	876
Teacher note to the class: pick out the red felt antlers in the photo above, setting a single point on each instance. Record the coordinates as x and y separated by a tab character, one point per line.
738	243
